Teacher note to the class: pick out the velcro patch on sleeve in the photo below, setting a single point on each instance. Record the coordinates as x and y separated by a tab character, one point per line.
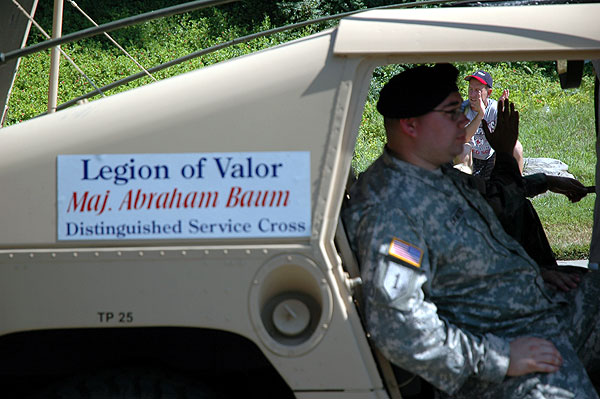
406	252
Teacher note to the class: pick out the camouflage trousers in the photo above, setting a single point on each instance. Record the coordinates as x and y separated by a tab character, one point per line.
579	344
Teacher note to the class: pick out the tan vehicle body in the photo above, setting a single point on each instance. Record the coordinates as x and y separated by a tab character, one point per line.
307	95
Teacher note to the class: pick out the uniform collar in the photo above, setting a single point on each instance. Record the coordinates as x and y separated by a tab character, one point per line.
433	178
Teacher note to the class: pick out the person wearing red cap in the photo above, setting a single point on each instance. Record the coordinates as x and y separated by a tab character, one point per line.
482	107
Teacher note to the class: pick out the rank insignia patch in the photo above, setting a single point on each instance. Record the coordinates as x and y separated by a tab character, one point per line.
406	252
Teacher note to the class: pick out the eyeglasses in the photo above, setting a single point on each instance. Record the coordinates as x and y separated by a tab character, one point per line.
455	114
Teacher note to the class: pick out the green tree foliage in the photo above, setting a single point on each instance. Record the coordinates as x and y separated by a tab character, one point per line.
150	43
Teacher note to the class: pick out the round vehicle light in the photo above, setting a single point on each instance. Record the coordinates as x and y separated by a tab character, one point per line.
290	304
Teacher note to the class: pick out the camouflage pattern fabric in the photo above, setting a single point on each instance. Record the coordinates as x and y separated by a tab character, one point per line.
446	288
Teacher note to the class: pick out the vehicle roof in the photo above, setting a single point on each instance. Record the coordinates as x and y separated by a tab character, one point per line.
498	33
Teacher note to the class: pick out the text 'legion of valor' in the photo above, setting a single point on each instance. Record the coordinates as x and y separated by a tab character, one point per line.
224	168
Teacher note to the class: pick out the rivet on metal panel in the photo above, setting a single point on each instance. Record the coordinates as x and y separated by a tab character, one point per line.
119	253
206	252
289	258
184	253
248	252
323	281
11	256
31	255
53	254
325	326
256	282
225	251
162	253
141	253
75	254
265	251
96	254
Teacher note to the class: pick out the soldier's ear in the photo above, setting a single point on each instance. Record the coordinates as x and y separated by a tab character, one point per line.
409	126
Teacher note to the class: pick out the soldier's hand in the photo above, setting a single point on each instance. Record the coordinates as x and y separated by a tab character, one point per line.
572	188
533	355
561	280
506	134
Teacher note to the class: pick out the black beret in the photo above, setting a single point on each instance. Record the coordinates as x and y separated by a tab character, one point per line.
417	91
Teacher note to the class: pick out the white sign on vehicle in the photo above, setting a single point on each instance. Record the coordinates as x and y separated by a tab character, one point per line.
183	196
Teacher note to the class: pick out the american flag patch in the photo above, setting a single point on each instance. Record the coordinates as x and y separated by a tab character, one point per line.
406	252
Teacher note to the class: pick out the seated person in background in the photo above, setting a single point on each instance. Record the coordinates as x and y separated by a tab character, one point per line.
480	107
520	220
506	192
449	295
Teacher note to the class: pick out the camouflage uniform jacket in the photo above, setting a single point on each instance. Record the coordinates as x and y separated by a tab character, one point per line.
444	286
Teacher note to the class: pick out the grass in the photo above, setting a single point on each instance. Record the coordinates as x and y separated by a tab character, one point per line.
568	226
560	125
565	131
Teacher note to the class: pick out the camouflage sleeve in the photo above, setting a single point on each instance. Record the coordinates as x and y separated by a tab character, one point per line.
403	321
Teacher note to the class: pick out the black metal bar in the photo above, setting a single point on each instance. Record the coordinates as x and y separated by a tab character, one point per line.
239	40
108	27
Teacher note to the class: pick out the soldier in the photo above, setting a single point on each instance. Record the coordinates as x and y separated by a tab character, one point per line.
449	295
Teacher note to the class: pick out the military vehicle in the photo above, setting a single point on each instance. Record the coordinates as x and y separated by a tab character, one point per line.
184	238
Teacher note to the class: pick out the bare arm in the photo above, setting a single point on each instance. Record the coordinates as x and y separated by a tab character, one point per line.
472	127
